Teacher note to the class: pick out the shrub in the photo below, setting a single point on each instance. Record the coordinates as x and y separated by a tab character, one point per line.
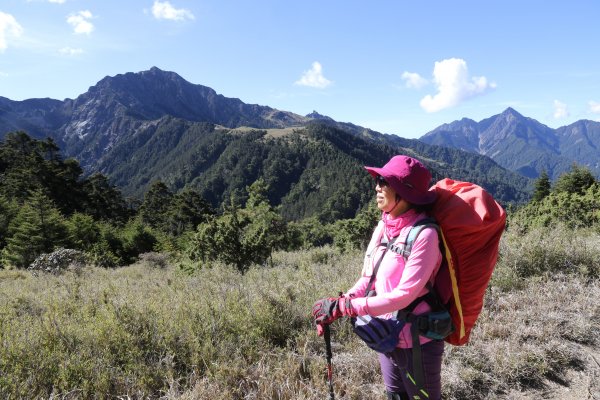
101	255
154	260
137	238
308	233
58	261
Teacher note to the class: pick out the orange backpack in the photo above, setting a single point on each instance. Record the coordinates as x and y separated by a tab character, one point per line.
471	223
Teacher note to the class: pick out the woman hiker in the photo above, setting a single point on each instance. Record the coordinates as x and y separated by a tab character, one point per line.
403	197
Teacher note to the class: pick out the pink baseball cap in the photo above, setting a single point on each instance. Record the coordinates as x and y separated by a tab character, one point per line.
408	177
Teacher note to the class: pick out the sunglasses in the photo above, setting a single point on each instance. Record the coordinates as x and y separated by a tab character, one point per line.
381	182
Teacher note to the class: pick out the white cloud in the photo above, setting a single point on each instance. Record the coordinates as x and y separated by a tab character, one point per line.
560	110
69	51
164	10
57	1
414	80
314	77
454	85
9	29
81	22
594	107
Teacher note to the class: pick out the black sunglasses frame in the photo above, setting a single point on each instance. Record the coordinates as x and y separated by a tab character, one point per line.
381	182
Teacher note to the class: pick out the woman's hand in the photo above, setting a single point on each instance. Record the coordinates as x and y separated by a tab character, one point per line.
327	310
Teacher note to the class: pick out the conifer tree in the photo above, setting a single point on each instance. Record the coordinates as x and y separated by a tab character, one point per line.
542	187
103	200
156	204
8	210
577	180
82	231
37	228
240	237
186	211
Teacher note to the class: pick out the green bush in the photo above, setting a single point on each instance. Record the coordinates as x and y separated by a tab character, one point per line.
83	231
308	233
239	237
576	209
137	238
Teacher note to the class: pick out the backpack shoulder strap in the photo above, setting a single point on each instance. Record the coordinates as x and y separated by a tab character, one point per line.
388	245
404	249
416	230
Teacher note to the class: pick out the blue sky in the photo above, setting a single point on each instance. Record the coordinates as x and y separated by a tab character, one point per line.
401	67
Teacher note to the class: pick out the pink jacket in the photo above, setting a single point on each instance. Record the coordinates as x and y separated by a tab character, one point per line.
398	283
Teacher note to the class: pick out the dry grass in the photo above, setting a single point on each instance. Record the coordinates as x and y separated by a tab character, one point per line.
524	338
149	331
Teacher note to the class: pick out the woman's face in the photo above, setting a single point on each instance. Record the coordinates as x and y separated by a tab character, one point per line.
386	196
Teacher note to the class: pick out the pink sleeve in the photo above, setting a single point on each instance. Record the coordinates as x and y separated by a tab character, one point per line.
423	261
358	290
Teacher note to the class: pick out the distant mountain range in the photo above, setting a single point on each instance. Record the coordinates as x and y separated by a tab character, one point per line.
523	144
140	127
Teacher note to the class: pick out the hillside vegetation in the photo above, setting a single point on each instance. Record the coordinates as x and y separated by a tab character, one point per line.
304	168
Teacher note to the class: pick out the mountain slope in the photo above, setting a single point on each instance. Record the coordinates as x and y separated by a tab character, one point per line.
139	127
39	117
523	144
311	170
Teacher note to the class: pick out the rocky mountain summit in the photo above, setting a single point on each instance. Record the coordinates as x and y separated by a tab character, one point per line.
523	144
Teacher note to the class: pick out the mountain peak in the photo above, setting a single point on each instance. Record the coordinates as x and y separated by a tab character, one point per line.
316	115
511	112
157	72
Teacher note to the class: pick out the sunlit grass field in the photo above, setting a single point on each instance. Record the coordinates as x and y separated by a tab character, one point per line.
151	330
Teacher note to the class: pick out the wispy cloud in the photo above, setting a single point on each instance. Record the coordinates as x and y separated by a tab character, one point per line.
9	29
69	51
414	80
560	110
594	107
57	1
165	10
314	77
80	22
454	85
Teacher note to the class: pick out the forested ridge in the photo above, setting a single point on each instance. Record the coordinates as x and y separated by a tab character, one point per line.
220	161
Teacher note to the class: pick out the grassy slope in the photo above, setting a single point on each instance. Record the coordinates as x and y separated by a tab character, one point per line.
146	331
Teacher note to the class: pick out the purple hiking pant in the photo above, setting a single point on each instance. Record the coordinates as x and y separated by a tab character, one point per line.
396	365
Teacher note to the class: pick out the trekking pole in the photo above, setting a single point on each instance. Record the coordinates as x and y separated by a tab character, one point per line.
327	336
